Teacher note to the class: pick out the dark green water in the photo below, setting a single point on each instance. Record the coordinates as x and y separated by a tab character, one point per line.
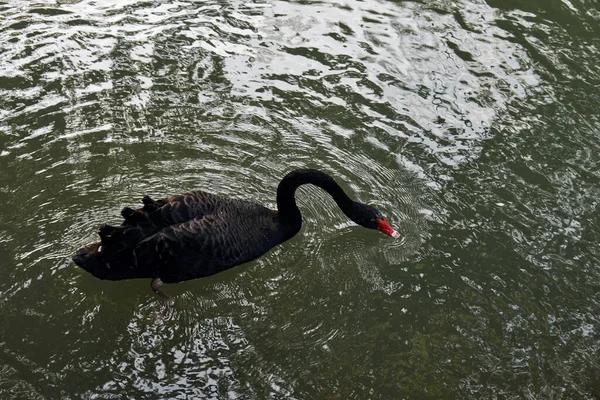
474	126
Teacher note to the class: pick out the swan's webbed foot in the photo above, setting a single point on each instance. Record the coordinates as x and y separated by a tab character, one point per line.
156	284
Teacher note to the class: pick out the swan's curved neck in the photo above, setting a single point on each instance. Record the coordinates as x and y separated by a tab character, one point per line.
286	202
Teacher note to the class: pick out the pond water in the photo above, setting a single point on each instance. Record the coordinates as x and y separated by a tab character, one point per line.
472	125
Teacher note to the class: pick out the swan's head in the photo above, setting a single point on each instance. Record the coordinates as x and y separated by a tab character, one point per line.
368	216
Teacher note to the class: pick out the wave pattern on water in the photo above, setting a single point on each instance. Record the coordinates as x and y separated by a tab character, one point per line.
472	125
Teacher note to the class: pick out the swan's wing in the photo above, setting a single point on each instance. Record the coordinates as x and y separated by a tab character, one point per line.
180	208
200	247
188	206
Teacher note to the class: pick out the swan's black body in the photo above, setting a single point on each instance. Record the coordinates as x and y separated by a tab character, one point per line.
199	234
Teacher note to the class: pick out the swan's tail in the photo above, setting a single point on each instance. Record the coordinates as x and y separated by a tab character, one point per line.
114	258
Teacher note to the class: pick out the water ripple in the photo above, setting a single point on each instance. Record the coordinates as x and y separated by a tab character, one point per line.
472	126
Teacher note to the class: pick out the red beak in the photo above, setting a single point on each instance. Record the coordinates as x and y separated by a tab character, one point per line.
384	227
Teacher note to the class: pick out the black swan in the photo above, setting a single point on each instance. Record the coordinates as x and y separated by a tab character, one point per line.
198	234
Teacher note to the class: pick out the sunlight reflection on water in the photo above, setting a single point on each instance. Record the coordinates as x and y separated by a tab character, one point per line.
450	117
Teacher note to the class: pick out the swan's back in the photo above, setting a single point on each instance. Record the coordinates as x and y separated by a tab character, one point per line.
185	207
183	237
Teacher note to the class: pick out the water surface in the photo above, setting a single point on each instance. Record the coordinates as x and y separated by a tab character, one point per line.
472	125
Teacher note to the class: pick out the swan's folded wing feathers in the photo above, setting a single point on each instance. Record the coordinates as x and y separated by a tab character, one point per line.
187	206
199	247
